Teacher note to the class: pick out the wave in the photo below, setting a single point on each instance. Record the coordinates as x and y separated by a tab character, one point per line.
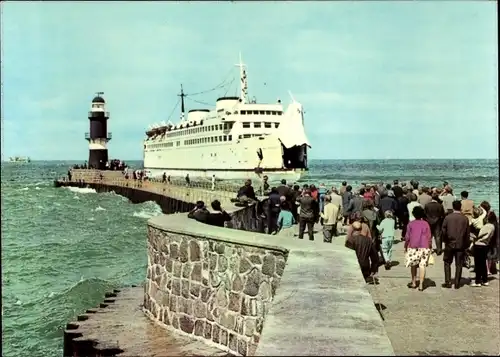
99	208
148	210
37	188
24	189
81	190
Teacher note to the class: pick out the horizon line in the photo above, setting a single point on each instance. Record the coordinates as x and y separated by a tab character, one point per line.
350	159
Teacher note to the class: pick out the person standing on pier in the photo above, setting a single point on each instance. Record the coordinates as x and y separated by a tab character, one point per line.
424	198
365	251
346	199
435	214
213	182
69	174
306	215
164	177
330	216
273	210
481	249
456	237
387	232
343	187
447	198
398	190
188	180
418	247
467	205
286	221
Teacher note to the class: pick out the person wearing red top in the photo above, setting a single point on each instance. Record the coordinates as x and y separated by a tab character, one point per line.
369	194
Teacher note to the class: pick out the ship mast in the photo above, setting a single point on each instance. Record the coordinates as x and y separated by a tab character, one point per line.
182	95
243	81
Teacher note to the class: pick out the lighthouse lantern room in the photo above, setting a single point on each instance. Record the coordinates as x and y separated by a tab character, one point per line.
98	137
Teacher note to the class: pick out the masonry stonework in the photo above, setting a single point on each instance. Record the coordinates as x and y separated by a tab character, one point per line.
211	290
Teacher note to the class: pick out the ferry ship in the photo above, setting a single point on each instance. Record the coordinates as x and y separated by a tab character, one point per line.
20	159
238	139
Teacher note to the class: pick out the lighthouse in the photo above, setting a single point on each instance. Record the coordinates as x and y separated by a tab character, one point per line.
98	137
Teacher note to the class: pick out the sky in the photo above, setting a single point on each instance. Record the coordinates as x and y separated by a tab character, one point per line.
378	80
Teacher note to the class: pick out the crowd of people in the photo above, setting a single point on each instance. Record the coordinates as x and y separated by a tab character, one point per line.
371	214
114	164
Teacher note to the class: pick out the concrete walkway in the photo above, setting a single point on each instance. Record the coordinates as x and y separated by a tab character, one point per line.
436	321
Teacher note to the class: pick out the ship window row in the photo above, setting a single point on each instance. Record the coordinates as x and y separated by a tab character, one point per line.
261	112
257	124
202	129
206	140
161	145
246	136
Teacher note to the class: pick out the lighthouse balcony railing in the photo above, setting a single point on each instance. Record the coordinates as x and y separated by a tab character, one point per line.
98	114
109	136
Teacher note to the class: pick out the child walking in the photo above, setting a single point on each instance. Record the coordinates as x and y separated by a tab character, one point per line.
386	229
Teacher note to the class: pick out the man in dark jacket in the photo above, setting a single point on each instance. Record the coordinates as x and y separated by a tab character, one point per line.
247	192
346	199
366	251
398	190
306	215
356	203
219	216
387	203
402	213
284	190
273	210
456	238
199	212
434	212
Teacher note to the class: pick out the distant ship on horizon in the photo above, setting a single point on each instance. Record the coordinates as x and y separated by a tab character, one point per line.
20	159
238	138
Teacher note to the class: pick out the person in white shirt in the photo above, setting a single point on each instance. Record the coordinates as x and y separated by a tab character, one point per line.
213	182
413	203
331	215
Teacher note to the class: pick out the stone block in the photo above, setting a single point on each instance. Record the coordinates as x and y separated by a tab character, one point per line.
194	289
220	248
186	324
232	342
215	280
200	309
177	268
255	259
239	324
186	270
234	302
253	282
269	265
216	333
249	324
194	251
175	321
176	286
169	264
212	261
205	293
222	264
223	337
199	327
237	282
196	272
184	251
242	343
173	303
174	251
221	299
280	265
265	291
165	299
228	320
185	288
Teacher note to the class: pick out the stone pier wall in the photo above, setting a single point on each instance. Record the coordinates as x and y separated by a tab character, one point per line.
211	290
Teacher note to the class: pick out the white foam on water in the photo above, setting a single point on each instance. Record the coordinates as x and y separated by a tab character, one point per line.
81	190
37	188
76	197
99	208
91	219
148	210
19	302
24	189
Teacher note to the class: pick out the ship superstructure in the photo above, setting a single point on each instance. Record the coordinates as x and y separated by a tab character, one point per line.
238	139
20	159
